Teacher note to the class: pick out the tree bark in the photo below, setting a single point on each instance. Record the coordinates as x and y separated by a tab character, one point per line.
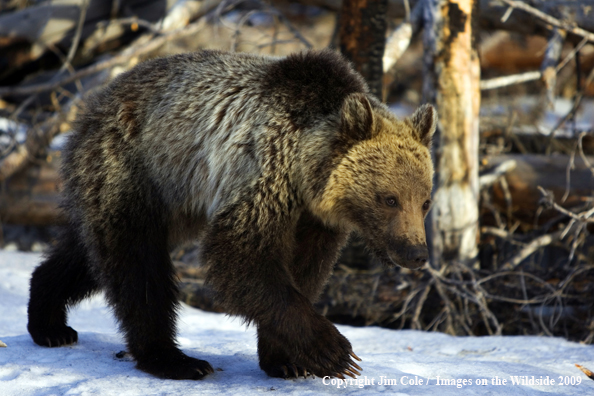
452	76
363	38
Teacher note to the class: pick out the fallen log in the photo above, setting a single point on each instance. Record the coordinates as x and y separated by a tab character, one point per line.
28	34
32	196
571	186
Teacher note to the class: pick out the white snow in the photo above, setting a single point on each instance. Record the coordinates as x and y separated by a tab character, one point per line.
403	357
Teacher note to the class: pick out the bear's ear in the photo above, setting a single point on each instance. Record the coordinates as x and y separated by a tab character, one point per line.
356	117
424	121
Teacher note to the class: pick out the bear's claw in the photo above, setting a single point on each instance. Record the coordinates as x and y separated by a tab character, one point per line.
296	371
351	372
288	371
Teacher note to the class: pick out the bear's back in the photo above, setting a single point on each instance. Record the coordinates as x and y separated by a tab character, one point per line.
197	124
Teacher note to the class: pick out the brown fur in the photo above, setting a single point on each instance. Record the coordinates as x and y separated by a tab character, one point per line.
271	163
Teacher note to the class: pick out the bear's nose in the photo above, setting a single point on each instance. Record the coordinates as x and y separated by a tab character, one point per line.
418	254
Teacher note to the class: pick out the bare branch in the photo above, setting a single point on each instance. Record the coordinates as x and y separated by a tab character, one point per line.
584	217
493	176
550	20
499	82
530	248
576	104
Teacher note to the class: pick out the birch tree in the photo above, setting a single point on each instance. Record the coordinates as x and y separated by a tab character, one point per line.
451	82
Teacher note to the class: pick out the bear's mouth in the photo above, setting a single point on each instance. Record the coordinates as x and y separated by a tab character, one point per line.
393	259
395	254
387	261
397	259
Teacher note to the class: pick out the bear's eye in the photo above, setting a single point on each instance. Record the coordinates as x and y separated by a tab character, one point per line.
427	205
391	202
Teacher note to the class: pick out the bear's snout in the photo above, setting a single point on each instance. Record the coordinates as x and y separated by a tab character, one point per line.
416	256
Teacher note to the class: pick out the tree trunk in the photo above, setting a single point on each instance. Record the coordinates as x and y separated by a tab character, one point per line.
452	76
363	38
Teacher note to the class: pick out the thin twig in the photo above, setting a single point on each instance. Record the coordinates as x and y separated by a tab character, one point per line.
503	234
74	46
290	26
585	217
407	10
576	104
508	199
132	21
507	14
571	54
415	323
568	168
582	155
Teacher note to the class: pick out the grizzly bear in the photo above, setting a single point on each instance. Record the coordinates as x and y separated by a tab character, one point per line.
271	163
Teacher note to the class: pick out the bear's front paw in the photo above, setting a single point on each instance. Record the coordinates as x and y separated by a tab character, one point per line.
329	353
174	365
274	359
53	336
318	351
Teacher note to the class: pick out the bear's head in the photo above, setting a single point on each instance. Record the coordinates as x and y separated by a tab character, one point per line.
382	187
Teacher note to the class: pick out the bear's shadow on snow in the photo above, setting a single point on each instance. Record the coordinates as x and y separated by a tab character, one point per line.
102	349
105	352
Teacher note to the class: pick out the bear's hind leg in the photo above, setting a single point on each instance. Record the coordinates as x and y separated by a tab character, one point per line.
141	287
61	281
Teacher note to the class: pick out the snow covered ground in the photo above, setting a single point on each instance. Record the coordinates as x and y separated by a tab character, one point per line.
394	362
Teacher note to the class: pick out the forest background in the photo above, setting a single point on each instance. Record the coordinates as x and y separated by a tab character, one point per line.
511	228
